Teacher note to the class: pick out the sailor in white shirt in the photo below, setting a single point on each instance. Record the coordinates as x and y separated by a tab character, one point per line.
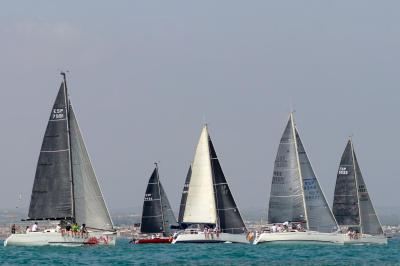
273	227
34	227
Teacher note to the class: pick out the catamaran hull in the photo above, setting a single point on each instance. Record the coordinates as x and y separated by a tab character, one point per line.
201	238
365	240
300	237
57	239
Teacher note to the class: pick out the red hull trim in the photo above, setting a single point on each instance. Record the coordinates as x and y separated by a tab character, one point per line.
154	241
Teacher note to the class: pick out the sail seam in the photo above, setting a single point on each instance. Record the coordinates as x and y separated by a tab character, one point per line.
56	150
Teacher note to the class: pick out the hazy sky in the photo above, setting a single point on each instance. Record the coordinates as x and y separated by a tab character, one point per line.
144	76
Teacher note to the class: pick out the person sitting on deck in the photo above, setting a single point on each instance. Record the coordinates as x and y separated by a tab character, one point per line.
83	230
205	232
273	228
13	228
58	228
34	227
280	228
27	229
299	228
349	233
75	229
216	231
286	226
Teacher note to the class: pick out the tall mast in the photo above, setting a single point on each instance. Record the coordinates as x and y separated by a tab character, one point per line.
67	104
299	167
355	179
159	193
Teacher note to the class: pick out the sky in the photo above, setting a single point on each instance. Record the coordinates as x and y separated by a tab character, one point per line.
144	76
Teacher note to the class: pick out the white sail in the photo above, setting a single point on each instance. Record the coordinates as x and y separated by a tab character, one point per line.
90	208
200	203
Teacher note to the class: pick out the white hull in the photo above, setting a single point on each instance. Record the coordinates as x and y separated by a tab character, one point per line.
366	239
300	237
200	237
52	238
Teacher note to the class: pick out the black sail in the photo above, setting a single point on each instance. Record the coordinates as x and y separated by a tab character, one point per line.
184	196
345	201
352	204
168	213
52	189
369	219
152	216
230	220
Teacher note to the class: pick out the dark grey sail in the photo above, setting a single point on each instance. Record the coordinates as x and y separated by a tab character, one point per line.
90	207
369	220
184	196
345	201
152	216
352	205
319	216
286	202
52	193
168	213
229	218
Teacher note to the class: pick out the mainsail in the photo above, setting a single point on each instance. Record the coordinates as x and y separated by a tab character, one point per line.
152	216
209	204
157	216
345	201
295	192
352	205
52	189
286	202
65	186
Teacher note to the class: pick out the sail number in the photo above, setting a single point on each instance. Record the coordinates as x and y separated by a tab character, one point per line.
58	113
148	197
343	171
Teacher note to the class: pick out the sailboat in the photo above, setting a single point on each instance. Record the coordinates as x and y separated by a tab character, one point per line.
66	189
208	210
297	204
157	216
352	205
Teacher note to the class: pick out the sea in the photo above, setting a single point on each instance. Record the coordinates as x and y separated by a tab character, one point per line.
125	253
